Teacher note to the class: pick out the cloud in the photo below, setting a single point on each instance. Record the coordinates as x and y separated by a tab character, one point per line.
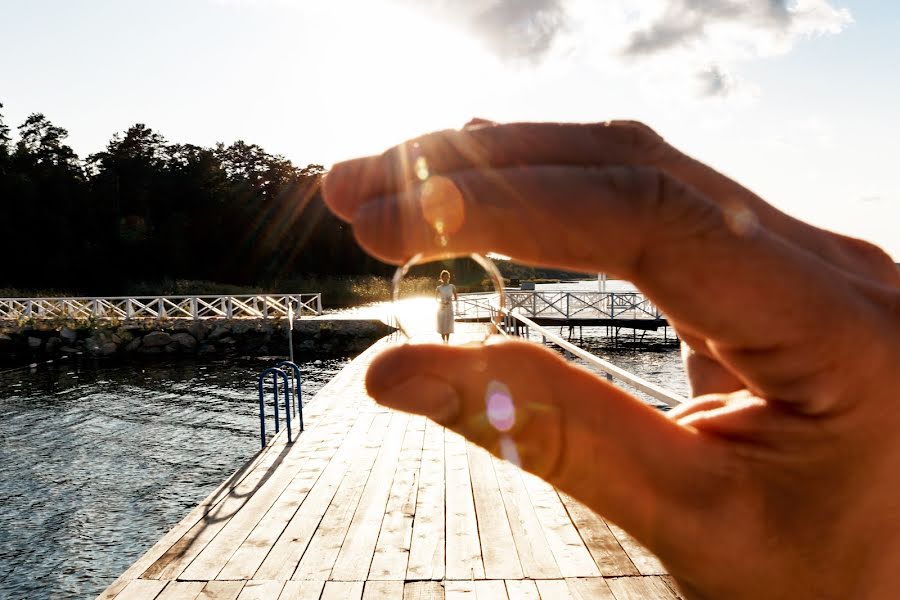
511	29
716	81
759	26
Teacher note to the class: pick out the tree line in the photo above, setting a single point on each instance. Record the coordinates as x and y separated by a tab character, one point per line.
148	210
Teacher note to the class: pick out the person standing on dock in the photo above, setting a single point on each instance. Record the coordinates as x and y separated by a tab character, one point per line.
780	477
446	295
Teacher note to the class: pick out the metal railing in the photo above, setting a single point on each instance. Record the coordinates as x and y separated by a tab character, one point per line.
293	401
564	305
260	306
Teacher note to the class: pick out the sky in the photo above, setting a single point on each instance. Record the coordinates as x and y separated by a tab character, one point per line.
796	99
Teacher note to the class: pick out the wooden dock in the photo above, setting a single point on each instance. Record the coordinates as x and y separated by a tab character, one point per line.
371	504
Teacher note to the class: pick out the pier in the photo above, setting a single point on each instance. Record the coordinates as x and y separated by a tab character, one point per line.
370	503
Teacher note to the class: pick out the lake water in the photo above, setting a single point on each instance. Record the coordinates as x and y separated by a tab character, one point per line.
98	459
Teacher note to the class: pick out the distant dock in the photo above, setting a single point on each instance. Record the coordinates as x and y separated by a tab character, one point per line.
370	503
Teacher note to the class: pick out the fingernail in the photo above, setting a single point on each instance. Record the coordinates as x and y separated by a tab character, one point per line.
423	395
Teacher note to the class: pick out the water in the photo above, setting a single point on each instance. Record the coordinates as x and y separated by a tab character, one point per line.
98	461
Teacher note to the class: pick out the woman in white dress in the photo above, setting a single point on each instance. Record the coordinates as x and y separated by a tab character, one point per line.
445	294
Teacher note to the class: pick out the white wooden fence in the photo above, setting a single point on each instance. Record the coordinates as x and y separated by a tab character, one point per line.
268	306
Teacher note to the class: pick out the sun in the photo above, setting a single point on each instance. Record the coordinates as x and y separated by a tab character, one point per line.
392	72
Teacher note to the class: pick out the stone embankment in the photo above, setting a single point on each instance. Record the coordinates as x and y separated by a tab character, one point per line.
207	337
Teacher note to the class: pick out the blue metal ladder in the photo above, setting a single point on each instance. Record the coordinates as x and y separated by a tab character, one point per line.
293	399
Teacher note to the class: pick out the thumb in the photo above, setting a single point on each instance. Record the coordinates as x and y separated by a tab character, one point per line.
525	404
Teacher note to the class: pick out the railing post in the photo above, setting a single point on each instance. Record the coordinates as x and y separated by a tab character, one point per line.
160	308
319	303
129	309
265	310
194	309
28	305
229	313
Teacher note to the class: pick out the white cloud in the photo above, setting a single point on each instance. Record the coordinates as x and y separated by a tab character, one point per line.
512	29
700	42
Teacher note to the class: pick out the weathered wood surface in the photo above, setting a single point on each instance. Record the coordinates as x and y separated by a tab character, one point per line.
373	504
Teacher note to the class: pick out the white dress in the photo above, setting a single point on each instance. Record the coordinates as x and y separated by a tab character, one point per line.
444	294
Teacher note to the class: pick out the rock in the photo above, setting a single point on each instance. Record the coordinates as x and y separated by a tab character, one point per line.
68	335
208	349
53	344
68	350
241	327
172	347
92	345
133	345
108	349
153	350
34	343
229	341
263	349
219	332
185	340
115	339
156	338
124	335
5	339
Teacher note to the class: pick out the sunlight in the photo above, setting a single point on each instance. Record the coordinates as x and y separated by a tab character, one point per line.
418	316
393	73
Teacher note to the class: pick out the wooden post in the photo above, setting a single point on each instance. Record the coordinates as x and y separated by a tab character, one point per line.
160	308
229	307
129	309
194	312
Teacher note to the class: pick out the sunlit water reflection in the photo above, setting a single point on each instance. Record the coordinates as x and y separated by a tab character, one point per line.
97	462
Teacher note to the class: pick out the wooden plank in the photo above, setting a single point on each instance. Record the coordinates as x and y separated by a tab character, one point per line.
669	581
426	552
487	589
522	589
463	548
459	590
611	558
327	463
141	589
325	544
423	590
591	588
261	590
221	590
182	590
342	590
571	555
383	590
640	588
355	556
498	548
391	557
554	589
282	559
645	561
302	590
533	550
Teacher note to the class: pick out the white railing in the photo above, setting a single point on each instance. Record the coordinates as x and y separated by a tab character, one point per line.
262	306
564	305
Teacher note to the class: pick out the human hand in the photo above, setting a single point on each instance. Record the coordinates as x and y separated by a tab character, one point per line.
781	478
